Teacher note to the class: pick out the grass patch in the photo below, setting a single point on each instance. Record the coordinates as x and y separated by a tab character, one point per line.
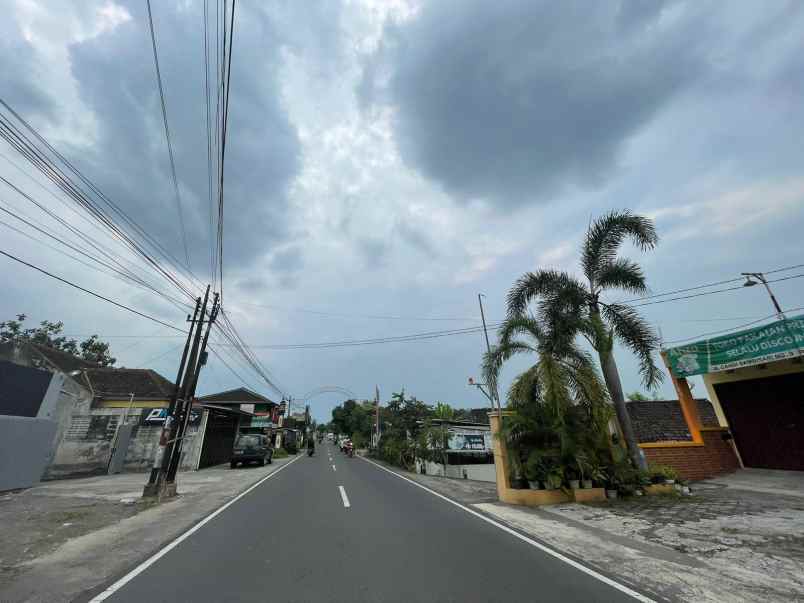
280	453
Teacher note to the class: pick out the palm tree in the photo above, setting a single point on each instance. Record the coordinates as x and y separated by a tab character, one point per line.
560	294
562	375
560	401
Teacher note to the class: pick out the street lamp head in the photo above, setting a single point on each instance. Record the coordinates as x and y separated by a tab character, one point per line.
471	381
749	282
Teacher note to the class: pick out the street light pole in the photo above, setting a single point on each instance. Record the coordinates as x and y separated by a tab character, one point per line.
492	386
761	277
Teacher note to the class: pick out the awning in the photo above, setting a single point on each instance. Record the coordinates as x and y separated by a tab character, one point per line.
775	341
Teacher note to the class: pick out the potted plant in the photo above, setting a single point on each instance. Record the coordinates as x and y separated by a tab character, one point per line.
573	478
611	488
535	470
670	475
594	473
555	477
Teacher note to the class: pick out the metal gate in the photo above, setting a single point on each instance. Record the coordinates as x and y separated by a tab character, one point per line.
766	417
121	442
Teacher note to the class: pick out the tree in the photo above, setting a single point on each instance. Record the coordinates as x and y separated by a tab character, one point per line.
353	418
560	403
638	396
559	294
443	411
50	334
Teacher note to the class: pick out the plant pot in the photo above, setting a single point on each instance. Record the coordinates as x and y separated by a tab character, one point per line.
611	494
574	484
587	483
638	492
669	481
534	485
685	490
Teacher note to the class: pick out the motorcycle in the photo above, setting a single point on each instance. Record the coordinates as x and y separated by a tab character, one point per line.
350	450
310	451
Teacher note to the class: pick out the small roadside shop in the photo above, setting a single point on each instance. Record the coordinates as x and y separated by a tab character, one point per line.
755	381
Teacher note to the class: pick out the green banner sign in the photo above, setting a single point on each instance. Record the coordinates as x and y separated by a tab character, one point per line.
775	341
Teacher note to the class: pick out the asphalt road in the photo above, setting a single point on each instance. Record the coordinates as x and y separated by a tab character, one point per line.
294	539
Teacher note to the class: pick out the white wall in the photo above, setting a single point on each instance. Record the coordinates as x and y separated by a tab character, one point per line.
482	473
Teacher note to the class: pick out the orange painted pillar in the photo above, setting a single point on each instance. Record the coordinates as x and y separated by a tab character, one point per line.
501	463
688	405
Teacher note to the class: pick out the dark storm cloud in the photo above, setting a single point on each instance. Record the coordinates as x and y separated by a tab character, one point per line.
115	75
115	79
509	101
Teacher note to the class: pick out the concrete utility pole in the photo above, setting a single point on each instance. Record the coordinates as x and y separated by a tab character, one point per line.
377	423
150	487
161	482
189	395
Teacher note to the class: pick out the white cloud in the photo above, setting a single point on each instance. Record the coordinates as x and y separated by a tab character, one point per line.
729	212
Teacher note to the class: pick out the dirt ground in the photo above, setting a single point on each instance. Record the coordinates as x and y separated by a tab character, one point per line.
56	537
36	524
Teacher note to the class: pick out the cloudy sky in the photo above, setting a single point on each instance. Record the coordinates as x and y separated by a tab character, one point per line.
388	160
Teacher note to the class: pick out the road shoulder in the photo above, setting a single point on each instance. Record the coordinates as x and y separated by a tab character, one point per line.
86	562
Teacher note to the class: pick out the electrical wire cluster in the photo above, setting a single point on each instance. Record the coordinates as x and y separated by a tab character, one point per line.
99	234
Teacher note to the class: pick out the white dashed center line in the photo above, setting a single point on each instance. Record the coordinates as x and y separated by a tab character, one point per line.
344	497
333	468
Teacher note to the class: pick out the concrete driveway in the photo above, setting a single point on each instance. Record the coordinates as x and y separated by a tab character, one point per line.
768	481
738	538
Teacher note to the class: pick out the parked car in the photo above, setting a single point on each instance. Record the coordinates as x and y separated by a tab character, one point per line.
252	448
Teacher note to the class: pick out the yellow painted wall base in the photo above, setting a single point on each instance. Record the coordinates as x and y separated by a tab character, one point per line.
136	404
655	489
532	498
589	495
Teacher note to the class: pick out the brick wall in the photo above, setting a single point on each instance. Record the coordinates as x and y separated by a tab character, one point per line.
715	457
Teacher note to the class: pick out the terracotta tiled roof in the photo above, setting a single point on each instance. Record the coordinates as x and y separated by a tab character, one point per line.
122	382
663	420
61	361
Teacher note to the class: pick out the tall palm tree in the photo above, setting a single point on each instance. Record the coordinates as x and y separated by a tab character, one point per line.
560	294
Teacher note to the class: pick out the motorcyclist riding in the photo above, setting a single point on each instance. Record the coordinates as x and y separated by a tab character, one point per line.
310	446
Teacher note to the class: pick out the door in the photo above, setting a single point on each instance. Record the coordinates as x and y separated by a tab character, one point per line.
766	417
122	440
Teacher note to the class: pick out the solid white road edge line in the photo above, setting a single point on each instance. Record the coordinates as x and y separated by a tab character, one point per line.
344	497
164	551
621	587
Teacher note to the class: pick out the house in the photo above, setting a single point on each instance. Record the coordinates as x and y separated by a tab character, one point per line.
754	379
88	404
469	453
263	413
249	401
665	437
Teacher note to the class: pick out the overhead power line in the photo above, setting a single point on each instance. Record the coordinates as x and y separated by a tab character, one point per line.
708	285
661	301
167	135
736	328
376	340
57	168
348	315
85	290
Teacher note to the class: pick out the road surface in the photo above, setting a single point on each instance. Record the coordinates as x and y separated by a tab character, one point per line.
346	530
